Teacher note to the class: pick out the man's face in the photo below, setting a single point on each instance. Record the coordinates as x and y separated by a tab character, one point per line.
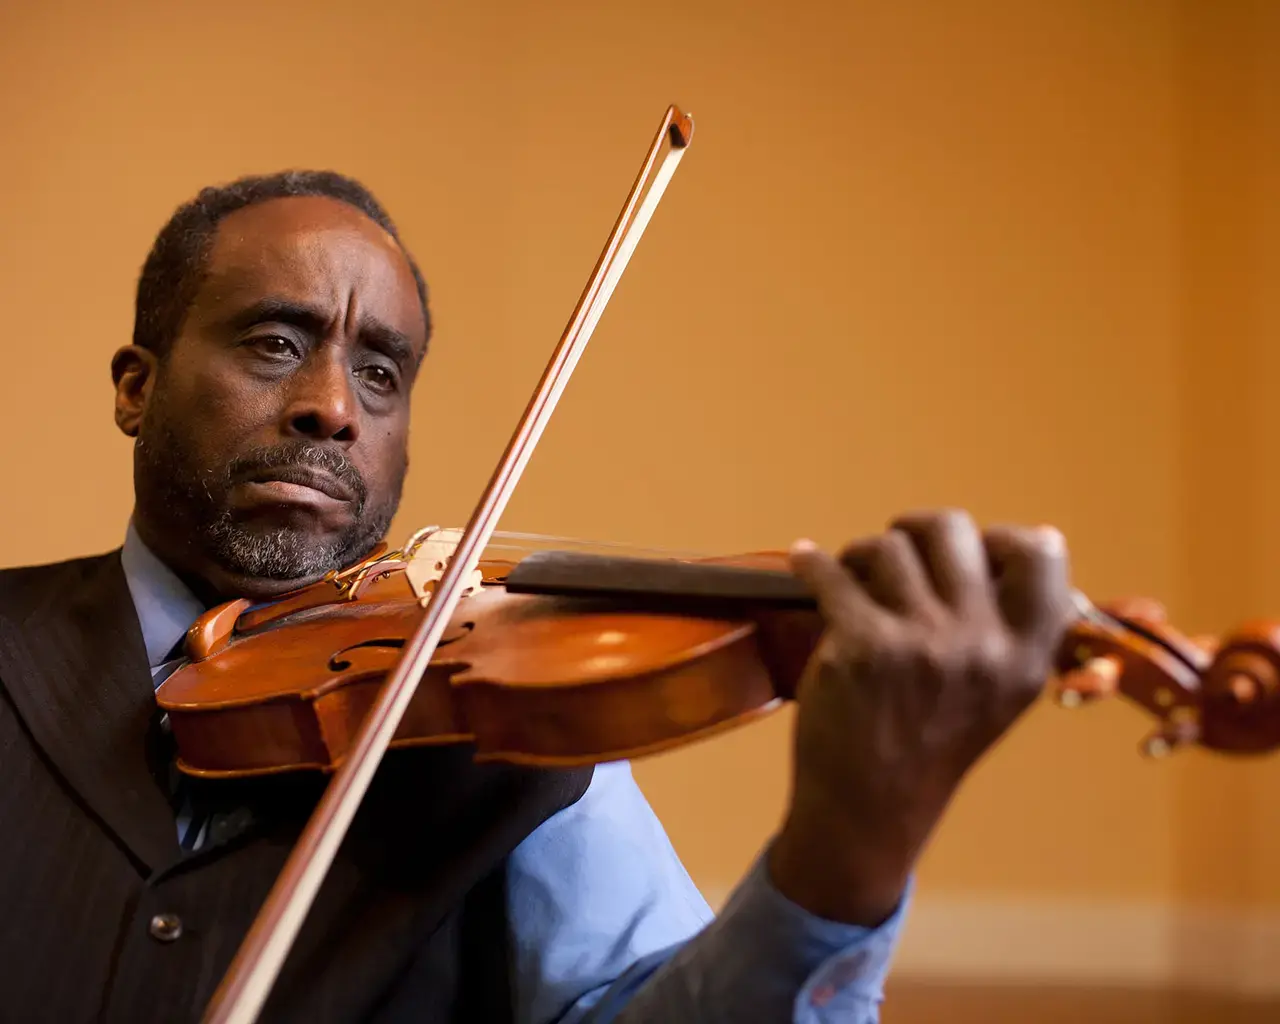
272	442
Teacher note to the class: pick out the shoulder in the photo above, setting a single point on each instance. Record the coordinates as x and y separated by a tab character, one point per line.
27	587
23	577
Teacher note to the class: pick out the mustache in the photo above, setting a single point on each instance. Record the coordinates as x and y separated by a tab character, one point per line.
300	454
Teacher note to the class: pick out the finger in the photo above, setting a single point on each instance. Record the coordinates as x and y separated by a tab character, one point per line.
841	598
954	557
890	571
1032	578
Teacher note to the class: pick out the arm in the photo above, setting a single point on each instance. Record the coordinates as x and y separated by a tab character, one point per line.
937	638
608	928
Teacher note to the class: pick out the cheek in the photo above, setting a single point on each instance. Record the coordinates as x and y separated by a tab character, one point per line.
227	397
217	408
386	461
171	442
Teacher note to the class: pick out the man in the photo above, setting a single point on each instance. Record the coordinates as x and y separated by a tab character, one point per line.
280	326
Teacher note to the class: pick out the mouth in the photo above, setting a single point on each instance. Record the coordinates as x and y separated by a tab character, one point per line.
300	480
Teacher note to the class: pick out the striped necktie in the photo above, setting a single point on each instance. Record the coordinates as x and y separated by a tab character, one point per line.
191	823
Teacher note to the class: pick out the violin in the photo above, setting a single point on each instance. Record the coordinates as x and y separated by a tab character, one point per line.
561	658
565	658
568	657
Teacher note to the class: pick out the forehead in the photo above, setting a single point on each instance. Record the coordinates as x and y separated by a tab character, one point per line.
314	250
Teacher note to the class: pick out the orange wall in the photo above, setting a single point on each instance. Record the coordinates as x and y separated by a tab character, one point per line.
1229	126
919	254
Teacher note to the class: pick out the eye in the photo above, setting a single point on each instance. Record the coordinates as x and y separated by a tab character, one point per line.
275	346
378	377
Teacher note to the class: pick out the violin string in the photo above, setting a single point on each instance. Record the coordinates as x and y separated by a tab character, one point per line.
525	539
1087	610
527	542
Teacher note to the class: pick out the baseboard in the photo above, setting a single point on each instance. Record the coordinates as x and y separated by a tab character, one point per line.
1128	945
1081	943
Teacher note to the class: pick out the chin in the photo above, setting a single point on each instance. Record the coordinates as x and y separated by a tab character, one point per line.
280	555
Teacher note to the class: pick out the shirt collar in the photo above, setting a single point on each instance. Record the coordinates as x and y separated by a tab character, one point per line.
165	605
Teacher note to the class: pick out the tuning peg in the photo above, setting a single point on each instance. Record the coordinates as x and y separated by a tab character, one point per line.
1176	732
1096	678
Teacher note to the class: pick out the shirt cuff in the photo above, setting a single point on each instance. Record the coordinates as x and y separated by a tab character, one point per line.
841	968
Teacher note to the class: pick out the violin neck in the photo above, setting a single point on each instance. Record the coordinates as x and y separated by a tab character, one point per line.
712	589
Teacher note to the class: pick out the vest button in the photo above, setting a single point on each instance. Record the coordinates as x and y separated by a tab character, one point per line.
166	927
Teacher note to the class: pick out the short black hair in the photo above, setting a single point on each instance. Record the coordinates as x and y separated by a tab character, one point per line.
175	267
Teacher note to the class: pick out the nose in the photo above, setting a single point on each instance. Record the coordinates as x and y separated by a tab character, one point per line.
323	406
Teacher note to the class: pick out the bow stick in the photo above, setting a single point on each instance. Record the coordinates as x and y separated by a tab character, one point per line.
247	983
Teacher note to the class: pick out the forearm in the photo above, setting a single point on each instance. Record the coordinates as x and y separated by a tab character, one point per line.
840	869
763	958
608	928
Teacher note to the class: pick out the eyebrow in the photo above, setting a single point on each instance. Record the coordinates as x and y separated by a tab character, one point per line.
377	335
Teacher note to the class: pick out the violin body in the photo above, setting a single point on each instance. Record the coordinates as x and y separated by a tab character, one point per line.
525	678
565	659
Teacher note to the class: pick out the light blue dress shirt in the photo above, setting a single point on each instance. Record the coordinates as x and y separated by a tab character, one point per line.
606	925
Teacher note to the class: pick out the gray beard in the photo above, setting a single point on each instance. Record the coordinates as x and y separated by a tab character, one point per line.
197	504
287	554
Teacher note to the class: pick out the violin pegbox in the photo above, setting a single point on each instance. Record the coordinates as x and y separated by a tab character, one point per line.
1221	695
1127	649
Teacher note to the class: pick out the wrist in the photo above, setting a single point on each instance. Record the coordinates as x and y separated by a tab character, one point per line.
838	871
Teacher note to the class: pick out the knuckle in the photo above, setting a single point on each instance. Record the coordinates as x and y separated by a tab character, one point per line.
869	556
941	657
938	520
898	542
1030	673
1039	543
858	549
996	658
990	654
954	518
1043	545
947	522
1050	540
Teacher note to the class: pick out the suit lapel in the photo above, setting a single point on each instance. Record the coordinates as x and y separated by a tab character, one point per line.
72	660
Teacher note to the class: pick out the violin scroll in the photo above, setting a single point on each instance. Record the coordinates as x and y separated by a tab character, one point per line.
1219	694
1242	690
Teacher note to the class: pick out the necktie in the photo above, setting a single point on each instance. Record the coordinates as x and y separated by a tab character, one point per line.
191	819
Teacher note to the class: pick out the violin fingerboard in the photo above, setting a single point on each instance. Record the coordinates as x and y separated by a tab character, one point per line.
646	581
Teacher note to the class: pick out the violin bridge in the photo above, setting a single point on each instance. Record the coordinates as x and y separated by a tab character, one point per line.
427	555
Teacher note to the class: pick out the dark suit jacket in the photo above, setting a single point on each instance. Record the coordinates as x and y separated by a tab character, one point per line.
104	918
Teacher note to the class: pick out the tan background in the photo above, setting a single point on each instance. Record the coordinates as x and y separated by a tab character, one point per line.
1017	257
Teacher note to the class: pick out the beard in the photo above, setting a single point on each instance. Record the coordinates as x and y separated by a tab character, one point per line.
197	502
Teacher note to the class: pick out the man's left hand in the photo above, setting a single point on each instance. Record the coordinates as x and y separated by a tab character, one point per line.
938	637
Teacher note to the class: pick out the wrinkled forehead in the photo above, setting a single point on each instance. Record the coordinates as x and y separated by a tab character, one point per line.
314	251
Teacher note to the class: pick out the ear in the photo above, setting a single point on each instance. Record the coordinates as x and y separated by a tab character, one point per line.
133	369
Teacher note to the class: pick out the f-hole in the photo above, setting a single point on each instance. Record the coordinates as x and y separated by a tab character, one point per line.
339	663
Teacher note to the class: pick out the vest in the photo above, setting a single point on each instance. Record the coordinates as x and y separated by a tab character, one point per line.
104	919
